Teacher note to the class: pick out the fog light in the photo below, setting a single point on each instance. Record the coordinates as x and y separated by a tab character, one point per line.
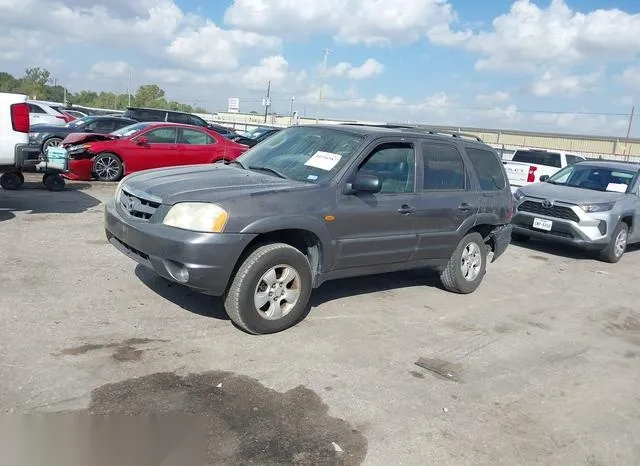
602	226
177	271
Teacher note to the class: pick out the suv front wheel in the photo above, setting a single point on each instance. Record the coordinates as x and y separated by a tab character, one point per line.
270	292
467	266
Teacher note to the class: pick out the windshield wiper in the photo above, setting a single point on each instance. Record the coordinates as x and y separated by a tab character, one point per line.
268	169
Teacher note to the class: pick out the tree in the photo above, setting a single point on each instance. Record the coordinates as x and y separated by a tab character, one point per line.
150	95
35	81
8	83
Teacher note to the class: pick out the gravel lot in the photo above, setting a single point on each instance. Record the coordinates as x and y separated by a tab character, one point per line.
540	366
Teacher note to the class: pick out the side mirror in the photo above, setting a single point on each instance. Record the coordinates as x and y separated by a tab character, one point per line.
366	184
142	141
544	178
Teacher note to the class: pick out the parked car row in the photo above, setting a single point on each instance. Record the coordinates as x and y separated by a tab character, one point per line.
107	147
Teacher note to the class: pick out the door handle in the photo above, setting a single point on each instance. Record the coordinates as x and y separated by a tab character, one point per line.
406	209
464	207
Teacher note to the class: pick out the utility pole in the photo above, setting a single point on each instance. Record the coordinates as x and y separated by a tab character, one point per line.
633	110
267	102
322	73
129	89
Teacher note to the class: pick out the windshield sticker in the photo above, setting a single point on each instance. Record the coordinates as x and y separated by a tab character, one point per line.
312	177
617	187
323	160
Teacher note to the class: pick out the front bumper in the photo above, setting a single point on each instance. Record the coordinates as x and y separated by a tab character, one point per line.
591	232
80	170
202	261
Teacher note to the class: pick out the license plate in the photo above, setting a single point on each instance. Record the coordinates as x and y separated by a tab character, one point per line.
542	224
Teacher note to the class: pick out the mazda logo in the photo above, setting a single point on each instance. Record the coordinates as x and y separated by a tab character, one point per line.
547	204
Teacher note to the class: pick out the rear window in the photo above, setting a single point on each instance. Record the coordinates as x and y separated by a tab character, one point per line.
488	169
550	159
571	159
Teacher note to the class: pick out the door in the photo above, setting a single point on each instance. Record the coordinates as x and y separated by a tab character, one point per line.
635	232
159	151
196	147
377	229
447	199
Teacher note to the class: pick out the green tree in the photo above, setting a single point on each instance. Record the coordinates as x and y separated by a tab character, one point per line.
8	83
34	82
150	95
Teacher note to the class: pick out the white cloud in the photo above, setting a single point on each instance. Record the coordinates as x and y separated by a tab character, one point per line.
493	98
529	36
631	77
159	31
553	82
110	69
274	69
368	69
370	22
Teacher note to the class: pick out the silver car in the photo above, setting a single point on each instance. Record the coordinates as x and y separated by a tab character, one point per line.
594	205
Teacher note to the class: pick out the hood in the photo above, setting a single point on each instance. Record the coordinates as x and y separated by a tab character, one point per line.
569	194
80	138
208	183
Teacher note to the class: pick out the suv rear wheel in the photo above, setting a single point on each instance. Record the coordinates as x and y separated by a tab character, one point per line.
467	265
270	292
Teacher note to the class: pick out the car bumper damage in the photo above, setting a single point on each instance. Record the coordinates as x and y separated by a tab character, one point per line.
201	261
500	238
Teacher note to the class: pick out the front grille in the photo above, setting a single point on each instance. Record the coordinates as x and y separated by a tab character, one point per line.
555	211
138	206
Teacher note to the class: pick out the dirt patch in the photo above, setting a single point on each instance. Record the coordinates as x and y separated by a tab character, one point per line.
232	419
125	351
623	323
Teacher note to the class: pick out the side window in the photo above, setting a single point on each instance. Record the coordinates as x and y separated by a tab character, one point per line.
35	109
192	136
177	118
101	126
443	168
571	159
394	164
161	136
122	123
488	169
194	120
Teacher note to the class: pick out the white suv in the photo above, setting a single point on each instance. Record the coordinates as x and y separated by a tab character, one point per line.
42	113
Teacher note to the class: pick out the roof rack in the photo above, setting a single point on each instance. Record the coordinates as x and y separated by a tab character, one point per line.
424	129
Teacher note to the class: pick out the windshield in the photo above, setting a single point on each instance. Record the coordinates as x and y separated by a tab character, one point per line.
130	130
594	178
80	122
303	153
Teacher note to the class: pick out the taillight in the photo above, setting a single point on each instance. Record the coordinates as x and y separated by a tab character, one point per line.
531	178
20	117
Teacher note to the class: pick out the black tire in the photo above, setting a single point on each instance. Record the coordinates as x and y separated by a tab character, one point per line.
53	182
11	181
452	276
612	253
51	142
518	238
239	300
107	167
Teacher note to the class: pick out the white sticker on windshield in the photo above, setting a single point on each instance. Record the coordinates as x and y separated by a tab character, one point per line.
617	187
323	160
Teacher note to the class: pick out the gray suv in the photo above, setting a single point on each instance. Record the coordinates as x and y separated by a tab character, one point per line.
594	205
317	203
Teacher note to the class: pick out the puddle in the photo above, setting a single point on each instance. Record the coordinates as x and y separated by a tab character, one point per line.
442	369
232	419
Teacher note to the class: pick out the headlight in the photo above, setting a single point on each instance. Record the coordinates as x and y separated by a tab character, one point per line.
589	208
119	190
518	195
197	216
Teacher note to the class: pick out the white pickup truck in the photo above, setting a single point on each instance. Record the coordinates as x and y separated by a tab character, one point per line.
528	165
15	152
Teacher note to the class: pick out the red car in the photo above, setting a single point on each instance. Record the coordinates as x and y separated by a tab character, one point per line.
141	146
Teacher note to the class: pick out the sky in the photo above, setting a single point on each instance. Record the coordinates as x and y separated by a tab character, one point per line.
541	65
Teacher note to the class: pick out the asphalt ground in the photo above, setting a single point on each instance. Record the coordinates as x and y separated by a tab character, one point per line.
540	366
